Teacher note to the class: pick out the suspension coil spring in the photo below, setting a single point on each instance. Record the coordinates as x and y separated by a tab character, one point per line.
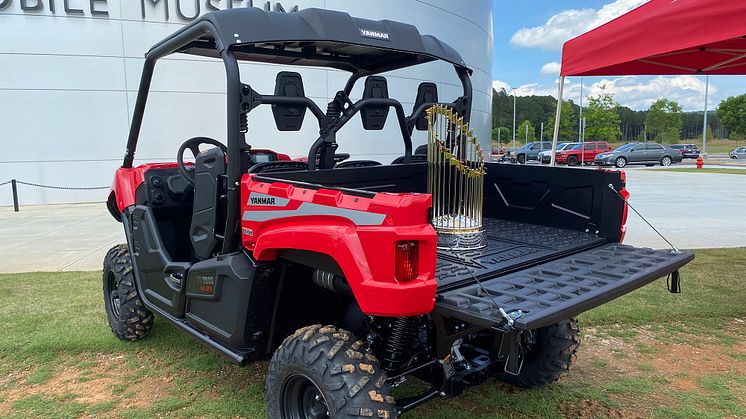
333	109
243	122
403	332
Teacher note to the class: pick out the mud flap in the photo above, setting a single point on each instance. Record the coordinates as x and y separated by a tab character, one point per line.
561	289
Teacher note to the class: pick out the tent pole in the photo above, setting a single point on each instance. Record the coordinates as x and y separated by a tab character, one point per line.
704	123
557	119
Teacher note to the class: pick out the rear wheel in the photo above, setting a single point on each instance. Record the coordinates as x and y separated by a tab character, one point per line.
620	162
323	372
128	317
572	161
666	161
547	356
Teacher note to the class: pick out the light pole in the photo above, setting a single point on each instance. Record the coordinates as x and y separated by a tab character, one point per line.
580	117
513	118
527	134
704	124
542	132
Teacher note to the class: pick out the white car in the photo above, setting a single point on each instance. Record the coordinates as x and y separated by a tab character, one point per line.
546	156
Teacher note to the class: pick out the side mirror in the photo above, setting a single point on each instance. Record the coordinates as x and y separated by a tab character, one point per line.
288	118
374	117
426	93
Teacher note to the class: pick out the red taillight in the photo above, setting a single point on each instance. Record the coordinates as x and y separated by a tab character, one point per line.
625	195
407	259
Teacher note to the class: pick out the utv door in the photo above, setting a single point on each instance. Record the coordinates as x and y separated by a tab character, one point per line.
160	280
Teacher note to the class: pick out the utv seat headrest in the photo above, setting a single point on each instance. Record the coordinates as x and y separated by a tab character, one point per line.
289	118
374	117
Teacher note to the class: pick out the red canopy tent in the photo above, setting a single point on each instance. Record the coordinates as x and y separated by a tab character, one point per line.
661	37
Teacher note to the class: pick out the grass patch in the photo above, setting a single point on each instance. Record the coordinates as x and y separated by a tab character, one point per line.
63	361
719	170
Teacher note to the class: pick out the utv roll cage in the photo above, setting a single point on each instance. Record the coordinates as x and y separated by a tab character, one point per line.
309	37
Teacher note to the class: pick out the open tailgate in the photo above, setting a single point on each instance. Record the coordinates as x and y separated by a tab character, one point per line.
557	290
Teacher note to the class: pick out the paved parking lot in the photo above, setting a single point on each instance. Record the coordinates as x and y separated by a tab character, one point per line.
693	210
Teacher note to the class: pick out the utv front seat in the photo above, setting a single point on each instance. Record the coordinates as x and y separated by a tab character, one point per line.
209	173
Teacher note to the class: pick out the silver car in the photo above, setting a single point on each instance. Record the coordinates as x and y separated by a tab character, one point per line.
738	154
648	154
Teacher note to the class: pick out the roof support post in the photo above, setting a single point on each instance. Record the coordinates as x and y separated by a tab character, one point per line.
235	143
557	116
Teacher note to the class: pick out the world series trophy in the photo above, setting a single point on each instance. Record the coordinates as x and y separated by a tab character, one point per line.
455	180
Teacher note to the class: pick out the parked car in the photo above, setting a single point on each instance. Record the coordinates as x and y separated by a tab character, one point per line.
545	156
688	151
648	154
738	154
530	151
585	153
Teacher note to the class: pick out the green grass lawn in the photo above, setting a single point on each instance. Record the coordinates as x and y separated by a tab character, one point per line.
721	170
649	354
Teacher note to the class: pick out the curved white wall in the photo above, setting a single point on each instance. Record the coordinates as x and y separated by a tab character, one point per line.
68	82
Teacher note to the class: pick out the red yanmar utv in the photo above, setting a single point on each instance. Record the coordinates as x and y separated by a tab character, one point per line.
333	270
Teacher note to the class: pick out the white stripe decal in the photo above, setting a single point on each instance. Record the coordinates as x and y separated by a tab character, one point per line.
307	208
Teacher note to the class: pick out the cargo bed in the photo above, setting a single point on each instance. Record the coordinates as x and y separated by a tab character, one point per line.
560	289
510	246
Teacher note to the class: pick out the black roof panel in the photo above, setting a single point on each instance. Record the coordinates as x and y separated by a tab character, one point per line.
317	37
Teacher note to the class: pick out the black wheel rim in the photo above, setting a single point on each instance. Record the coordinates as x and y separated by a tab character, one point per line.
112	291
302	399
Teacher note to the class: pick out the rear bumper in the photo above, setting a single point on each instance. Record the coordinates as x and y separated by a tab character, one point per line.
558	290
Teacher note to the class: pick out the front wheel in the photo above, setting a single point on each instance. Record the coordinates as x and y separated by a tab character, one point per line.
521	159
128	317
734	157
620	162
323	372
666	161
548	353
572	161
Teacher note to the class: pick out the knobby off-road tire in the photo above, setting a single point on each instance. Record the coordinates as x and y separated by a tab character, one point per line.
549	358
322	371
128	317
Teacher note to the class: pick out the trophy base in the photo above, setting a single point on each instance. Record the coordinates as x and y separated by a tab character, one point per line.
461	241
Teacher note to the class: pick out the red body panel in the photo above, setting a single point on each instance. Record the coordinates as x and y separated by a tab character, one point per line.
126	182
358	232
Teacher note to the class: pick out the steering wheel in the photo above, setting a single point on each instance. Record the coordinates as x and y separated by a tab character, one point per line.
193	145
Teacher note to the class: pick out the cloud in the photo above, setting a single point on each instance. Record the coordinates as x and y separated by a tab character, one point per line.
551	69
639	93
634	92
500	85
570	23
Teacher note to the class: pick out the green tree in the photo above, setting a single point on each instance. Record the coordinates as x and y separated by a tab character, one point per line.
664	121
503	137
520	132
568	124
602	120
732	114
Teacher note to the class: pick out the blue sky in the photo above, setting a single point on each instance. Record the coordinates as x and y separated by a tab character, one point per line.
528	35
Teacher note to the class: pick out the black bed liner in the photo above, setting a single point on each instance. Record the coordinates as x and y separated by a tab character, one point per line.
510	246
557	290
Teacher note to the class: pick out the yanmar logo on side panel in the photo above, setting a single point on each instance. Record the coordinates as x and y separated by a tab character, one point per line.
266	200
368	33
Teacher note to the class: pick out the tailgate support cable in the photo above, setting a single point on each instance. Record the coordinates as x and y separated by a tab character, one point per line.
674	248
508	318
673	281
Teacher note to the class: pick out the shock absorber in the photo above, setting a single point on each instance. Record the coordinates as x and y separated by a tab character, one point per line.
400	338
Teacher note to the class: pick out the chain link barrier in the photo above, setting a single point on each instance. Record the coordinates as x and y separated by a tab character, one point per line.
65	188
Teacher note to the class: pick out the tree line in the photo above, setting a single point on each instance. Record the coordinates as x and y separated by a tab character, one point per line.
606	120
